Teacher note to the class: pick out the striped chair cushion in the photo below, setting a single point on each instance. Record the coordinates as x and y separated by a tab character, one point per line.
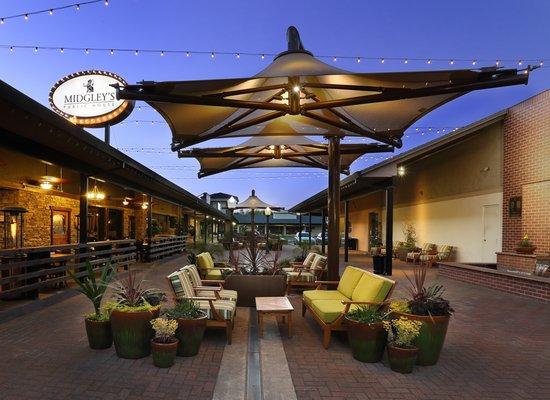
444	252
226	308
427	257
303	277
193	275
224	294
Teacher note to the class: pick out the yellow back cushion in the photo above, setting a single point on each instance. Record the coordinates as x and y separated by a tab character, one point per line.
204	261
349	280
372	288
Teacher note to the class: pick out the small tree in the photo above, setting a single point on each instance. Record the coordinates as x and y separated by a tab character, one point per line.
409	232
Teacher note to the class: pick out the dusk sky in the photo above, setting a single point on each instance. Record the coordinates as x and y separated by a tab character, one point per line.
471	30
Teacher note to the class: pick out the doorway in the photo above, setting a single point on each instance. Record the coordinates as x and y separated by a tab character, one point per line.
114	224
60	226
491	233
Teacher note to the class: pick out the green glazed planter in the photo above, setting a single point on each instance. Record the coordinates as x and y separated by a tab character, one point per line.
189	334
164	354
132	332
402	360
367	341
99	334
431	338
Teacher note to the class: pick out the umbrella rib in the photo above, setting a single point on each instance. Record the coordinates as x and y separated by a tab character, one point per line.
402	94
246	91
391	141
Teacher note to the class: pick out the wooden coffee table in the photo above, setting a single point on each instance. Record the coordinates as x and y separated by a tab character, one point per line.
274	305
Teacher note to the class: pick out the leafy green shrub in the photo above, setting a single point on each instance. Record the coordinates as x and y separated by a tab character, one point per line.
367	314
185	309
94	289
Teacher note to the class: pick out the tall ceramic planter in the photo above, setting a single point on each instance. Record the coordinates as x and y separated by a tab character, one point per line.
164	354
190	333
132	332
431	338
402	360
367	341
99	334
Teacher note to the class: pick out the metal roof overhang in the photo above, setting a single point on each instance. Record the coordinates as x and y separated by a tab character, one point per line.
30	128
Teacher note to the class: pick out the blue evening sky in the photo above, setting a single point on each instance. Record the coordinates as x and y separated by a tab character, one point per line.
469	29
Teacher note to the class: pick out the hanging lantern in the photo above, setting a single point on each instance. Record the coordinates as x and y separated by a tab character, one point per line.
95	194
13	227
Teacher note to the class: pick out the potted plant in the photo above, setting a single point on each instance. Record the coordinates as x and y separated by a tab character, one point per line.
366	333
402	353
525	246
191	323
409	233
164	345
427	306
98	327
131	313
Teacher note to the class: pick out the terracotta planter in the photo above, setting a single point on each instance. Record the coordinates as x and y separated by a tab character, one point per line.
402	360
251	286
99	334
431	338
190	333
526	250
164	354
132	332
367	341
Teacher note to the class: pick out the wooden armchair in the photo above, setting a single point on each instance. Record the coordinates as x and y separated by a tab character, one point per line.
414	255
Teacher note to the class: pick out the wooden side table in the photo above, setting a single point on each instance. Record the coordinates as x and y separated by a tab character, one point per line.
277	306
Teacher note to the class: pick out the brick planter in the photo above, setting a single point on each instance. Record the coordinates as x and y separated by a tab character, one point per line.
522	285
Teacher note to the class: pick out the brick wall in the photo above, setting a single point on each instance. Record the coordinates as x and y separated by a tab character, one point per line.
522	286
518	262
526	172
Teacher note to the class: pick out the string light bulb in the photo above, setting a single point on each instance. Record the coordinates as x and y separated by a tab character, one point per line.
51	12
212	55
26	17
136	52
162	53
429	61
382	61
238	55
125	202
406	61
106	2
1	21
187	54
78	7
112	52
61	50
36	49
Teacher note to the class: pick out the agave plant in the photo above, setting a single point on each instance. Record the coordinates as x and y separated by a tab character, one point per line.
130	292
426	300
93	288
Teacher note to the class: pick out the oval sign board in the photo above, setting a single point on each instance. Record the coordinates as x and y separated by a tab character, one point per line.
87	98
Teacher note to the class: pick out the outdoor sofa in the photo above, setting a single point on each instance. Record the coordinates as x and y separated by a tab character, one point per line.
356	287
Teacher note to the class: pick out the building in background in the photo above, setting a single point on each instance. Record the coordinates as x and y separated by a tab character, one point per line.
218	200
479	189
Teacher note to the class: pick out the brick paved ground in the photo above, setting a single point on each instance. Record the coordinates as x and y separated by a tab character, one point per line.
497	347
45	355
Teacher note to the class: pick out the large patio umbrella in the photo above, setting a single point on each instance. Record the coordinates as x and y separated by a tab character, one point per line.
313	98
276	151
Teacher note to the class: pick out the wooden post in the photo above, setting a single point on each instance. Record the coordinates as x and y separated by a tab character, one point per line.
83	234
300	230
150	220
323	229
333	256
267	234
389	230
194	227
309	238
346	233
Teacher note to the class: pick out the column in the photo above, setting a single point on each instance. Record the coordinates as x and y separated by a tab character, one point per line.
83	233
389	230
323	229
309	238
333	207
346	233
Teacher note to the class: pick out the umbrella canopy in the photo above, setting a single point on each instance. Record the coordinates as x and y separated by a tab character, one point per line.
277	151
299	95
253	202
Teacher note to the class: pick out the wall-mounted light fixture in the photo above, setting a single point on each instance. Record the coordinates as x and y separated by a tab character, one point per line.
401	170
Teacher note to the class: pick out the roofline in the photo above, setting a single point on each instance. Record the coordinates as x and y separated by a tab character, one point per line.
436	144
28	105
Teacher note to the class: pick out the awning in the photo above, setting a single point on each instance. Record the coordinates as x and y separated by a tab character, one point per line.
277	151
299	95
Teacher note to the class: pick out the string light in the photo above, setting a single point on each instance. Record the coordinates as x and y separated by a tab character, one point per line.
539	62
50	11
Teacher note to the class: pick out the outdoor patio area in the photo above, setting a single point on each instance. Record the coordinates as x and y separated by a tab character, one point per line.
496	348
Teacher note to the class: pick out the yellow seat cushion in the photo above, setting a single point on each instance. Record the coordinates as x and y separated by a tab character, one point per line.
372	288
310	295
214	274
349	280
329	310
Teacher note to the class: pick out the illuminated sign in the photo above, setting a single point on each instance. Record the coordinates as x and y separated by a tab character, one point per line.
87	98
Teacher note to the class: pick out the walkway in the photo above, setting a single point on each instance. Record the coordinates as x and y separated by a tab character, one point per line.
497	348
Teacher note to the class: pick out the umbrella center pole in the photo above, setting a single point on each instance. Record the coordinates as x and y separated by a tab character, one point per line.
333	206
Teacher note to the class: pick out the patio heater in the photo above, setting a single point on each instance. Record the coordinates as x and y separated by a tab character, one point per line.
299	95
13	226
267	213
